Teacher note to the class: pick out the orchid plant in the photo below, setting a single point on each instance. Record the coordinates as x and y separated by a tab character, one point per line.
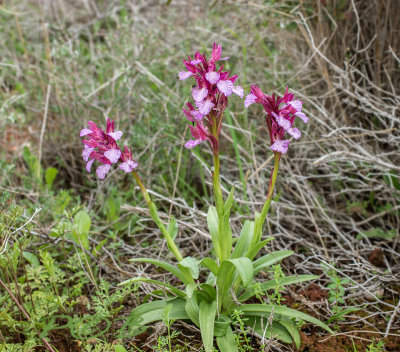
230	275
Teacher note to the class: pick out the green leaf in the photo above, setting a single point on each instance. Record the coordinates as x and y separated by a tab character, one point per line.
227	342
377	233
293	331
263	309
119	348
262	327
169	287
226	274
166	266
229	202
209	291
289	280
31	258
221	325
207	318
80	229
243	244
173	228
192	264
155	311
210	265
225	236
192	309
270	259
253	251
212	222
50	176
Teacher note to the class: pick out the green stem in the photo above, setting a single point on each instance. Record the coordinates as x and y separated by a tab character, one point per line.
219	203
267	204
154	214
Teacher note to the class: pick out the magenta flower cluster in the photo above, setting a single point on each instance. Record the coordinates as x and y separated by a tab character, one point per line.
281	113
102	146
209	94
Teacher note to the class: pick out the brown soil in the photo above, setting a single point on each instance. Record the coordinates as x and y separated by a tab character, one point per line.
314	293
345	343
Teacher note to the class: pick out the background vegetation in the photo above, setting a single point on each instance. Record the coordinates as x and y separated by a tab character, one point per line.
63	63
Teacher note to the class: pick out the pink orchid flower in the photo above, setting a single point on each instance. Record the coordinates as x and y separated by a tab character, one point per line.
209	94
102	146
281	114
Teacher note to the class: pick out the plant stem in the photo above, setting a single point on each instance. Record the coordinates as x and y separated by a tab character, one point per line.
219	203
267	204
154	214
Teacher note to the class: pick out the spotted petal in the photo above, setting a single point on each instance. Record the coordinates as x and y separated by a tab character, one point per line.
115	135
238	91
195	62
225	86
302	115
113	155
212	77
199	94
89	165
250	99
85	132
86	153
285	124
205	107
297	104
294	132
281	145
128	166
102	170
192	143
184	75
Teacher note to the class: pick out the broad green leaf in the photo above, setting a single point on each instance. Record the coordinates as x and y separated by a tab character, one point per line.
225	237
262	327
82	222
253	251
192	264
212	222
173	228
226	275
263	309
31	258
166	266
270	259
119	348
192	309
155	311
293	331
229	202
210	264
209	291
268	285
257	229
169	287
50	176
221	325
243	244
227	343
80	229
207	318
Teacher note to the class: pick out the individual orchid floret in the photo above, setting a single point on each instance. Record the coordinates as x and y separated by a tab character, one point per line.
200	133
281	114
210	93
128	164
102	146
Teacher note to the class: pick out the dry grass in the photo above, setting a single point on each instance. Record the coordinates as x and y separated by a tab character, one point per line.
339	181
